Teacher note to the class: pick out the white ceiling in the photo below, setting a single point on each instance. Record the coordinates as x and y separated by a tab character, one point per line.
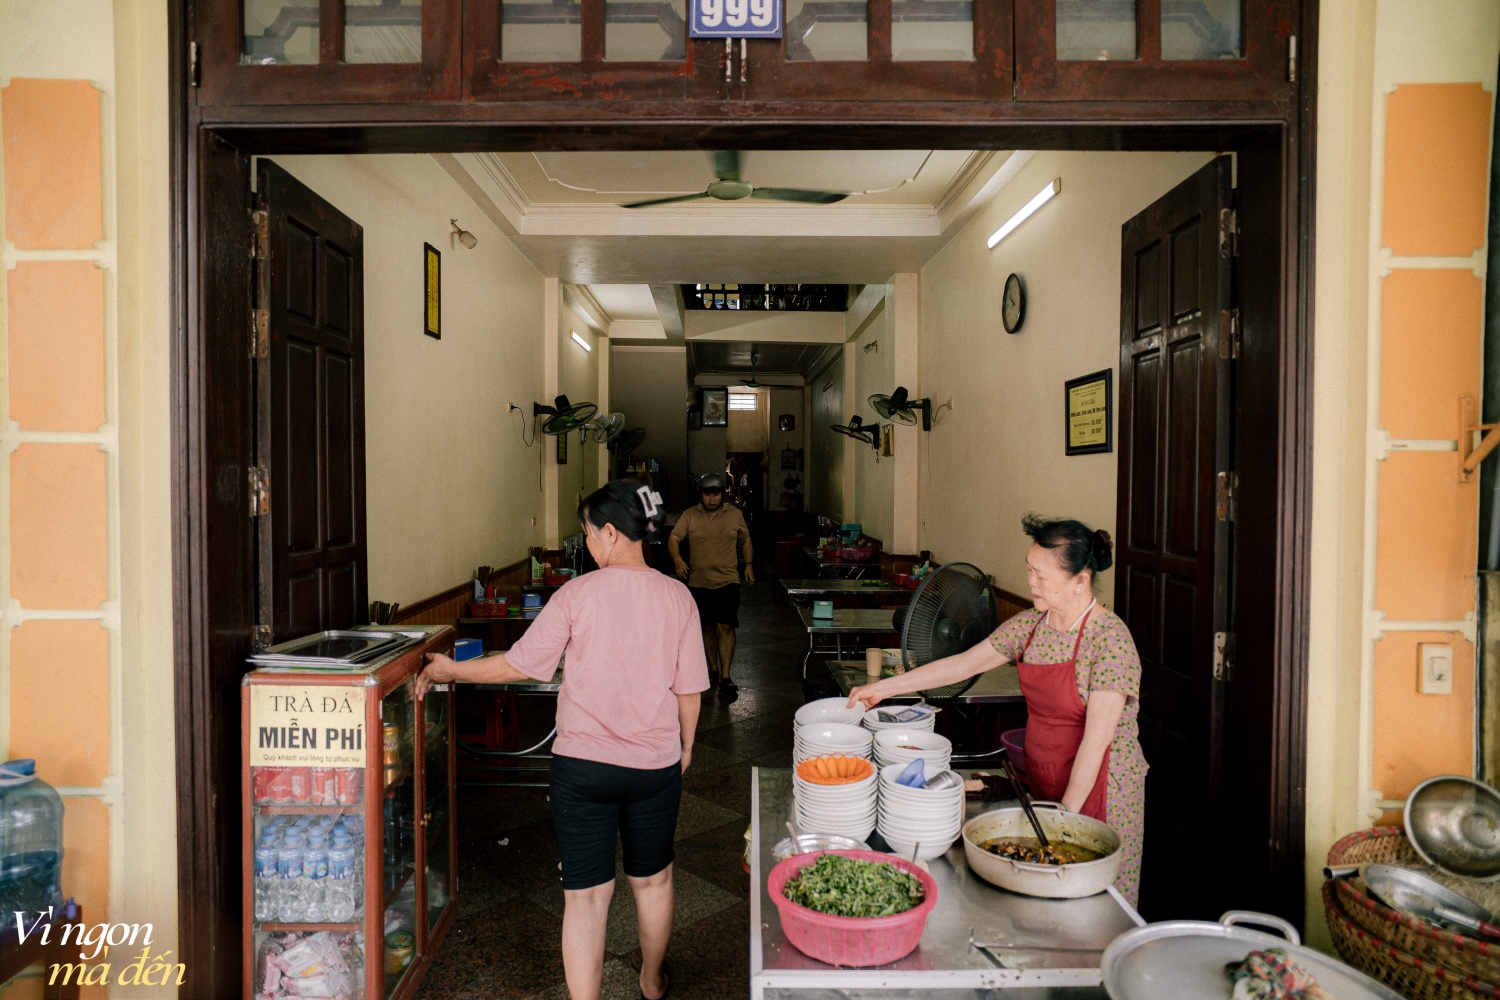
562	211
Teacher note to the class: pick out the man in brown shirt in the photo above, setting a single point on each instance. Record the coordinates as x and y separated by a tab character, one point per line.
717	537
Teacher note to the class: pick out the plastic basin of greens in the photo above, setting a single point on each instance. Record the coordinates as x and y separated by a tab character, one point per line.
854	942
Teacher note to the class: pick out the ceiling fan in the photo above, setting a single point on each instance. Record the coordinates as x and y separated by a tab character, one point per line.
899	408
860	431
751	383
564	416
729	187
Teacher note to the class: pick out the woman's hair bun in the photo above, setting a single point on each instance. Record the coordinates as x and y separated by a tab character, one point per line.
1104	556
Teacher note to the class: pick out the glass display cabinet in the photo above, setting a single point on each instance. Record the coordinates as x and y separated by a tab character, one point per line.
348	827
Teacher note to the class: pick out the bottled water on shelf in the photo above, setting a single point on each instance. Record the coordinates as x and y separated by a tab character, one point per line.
339	895
291	899
266	882
314	881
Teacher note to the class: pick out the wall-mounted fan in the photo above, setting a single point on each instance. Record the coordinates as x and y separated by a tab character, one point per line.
860	431
604	427
627	442
564	416
729	187
899	408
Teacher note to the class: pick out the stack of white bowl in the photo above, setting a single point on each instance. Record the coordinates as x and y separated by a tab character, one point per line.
873	722
830	738
894	746
924	820
847	810
827	710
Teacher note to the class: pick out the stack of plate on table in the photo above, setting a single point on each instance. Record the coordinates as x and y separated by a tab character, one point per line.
826	738
926	820
902	746
827	710
843	805
872	719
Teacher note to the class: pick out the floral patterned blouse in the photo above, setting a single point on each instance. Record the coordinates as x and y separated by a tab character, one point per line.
1107	659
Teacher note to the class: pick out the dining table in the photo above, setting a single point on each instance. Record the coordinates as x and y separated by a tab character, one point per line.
839	568
843	623
825	589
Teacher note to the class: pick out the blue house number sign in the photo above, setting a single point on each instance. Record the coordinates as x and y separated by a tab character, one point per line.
735	19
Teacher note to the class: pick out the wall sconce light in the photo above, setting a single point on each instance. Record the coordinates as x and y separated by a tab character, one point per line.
468	239
581	342
1043	196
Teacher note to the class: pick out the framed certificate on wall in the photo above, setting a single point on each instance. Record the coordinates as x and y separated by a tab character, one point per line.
1089	404
432	266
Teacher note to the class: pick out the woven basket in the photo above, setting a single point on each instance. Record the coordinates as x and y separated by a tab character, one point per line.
1414	956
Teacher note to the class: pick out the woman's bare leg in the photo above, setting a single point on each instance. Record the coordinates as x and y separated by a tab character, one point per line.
585	914
654	910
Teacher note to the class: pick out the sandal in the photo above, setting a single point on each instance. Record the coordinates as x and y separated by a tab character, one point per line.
728	686
666	979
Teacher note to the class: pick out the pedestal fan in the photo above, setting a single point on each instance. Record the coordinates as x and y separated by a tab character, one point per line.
953	610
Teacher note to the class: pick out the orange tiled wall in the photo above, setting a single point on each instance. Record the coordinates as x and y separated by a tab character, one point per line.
1436	182
58	465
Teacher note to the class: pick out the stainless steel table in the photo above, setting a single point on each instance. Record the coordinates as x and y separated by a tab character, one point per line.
803	590
843	622
944	966
536	762
1001	685
833	566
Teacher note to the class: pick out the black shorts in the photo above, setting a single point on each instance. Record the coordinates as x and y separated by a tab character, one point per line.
593	803
718	605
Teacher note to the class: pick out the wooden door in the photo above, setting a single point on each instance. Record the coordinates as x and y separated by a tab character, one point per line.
1176	394
310	433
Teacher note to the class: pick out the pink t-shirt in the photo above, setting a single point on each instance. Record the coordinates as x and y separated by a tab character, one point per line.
633	644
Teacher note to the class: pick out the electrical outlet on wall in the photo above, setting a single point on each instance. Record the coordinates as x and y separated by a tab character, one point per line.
1435	674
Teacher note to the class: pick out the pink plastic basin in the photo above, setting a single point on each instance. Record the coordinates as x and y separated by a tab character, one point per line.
854	942
1014	741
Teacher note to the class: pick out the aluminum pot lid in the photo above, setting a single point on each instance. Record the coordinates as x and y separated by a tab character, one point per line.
1187	958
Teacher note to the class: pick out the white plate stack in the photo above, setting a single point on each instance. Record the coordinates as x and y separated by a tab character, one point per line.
830	738
925	819
902	746
874	723
827	710
847	810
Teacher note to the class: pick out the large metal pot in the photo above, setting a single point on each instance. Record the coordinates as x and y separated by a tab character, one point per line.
1187	958
1051	881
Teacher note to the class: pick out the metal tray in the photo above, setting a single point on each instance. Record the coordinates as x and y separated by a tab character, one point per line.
1186	958
335	648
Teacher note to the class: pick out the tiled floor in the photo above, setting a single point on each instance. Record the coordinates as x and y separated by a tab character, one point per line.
505	943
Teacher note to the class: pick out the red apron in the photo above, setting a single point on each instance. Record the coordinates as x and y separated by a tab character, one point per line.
1054	727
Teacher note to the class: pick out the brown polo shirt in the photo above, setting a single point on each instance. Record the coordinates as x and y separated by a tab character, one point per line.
716	540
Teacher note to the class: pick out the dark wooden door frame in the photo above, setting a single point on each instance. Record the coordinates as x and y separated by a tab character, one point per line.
212	390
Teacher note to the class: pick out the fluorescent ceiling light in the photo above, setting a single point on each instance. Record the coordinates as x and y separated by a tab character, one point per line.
581	342
1043	196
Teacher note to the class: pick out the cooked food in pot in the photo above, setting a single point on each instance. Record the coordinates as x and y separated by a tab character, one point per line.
1030	849
851	887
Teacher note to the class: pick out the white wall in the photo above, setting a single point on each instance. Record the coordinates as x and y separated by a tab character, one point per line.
448	483
998	454
649	385
825	449
872	354
578	379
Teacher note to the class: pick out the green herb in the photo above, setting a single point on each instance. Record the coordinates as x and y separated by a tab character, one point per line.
850	887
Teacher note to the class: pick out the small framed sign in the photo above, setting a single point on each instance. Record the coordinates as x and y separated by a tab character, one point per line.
735	18
433	297
715	407
1089	405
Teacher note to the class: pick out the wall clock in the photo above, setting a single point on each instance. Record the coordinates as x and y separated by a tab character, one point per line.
1013	305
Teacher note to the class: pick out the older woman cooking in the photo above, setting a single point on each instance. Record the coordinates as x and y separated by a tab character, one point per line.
1081	676
626	718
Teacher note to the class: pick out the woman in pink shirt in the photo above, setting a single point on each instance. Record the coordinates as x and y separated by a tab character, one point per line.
626	717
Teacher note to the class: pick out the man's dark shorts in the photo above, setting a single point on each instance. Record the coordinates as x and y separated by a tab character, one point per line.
718	605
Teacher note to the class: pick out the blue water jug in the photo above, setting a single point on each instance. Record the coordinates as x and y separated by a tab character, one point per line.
31	846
